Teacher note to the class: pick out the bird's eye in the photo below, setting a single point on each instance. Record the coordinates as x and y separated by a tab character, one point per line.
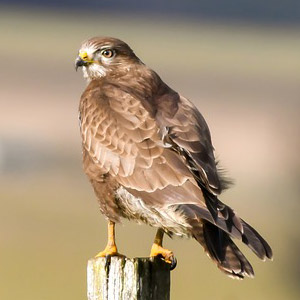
107	53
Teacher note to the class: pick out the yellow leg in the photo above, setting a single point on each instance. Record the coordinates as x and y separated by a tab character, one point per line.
111	248
158	250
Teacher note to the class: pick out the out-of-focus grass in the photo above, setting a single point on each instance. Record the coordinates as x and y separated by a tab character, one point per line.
245	80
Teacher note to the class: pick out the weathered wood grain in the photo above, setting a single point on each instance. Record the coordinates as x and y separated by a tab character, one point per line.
128	279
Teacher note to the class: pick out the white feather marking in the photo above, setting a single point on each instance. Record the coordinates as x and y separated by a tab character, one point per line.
95	70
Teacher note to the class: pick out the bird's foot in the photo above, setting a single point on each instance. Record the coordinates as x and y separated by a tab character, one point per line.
168	255
110	250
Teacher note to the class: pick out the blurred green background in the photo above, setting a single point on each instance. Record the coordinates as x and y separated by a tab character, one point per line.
243	76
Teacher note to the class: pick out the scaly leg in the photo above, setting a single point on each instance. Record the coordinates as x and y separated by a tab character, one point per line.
158	250
111	248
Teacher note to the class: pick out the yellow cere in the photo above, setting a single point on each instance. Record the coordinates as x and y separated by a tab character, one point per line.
83	55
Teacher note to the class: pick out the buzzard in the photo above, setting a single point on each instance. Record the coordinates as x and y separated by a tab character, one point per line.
148	154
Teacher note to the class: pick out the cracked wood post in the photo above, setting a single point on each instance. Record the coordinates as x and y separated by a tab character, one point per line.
128	279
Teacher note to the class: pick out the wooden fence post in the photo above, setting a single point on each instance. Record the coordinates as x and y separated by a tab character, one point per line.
128	279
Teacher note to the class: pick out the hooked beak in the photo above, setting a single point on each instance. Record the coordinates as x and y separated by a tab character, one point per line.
79	62
82	60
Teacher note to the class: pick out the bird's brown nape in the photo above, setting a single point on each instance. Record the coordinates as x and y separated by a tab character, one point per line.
149	156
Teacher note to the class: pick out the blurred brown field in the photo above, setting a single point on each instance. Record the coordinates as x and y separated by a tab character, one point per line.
244	78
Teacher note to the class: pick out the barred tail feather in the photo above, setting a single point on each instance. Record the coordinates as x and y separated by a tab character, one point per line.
215	236
221	249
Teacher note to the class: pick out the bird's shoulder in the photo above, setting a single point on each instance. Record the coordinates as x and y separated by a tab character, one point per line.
150	110
91	92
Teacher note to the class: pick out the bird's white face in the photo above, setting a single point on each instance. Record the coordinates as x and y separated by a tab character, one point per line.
95	62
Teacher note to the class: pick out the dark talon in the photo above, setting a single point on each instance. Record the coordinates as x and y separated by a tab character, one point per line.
173	263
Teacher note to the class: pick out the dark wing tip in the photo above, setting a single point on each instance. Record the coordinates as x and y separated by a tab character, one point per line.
224	252
256	242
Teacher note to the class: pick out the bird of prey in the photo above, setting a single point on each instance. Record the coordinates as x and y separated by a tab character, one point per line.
148	154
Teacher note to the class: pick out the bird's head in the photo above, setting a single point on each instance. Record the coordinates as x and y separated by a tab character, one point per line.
104	56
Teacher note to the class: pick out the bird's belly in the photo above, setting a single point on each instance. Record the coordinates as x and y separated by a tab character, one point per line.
169	218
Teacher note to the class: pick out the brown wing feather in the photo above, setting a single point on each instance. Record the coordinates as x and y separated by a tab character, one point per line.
188	130
124	139
130	142
127	139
